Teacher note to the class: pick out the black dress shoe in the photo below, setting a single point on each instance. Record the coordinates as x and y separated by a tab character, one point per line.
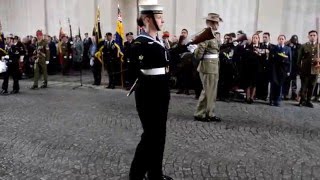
180	92
202	119
309	104
186	92
214	119
14	92
4	92
43	86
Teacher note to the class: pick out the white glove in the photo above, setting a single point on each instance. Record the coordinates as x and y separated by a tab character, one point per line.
54	57
288	74
6	57
65	57
235	43
47	62
192	48
70	57
21	58
91	62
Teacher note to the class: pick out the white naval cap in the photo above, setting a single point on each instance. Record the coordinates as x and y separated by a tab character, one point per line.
151	9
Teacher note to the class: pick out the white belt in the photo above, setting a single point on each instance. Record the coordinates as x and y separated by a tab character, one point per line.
154	71
210	56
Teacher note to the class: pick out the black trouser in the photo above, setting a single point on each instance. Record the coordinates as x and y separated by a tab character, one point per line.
290	81
225	80
13	70
308	83
110	66
275	92
262	85
96	70
152	108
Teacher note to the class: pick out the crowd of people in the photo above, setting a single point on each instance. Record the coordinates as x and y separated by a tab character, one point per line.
261	69
248	64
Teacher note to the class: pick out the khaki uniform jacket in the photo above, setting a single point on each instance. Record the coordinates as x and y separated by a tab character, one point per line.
43	50
207	65
306	55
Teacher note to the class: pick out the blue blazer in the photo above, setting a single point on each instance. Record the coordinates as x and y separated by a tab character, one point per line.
286	63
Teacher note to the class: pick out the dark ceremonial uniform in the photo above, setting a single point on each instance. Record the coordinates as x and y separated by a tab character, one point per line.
280	66
264	71
294	73
14	52
109	58
226	71
152	96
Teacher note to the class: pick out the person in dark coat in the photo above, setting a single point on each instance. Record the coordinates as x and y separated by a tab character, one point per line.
264	68
291	81
280	68
53	66
129	73
251	59
15	55
86	47
226	71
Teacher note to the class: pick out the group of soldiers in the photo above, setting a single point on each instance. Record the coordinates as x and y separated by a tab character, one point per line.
13	55
263	70
31	56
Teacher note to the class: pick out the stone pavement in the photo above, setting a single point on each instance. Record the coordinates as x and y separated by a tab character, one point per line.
91	133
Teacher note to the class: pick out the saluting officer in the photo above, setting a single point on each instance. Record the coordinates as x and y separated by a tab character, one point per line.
15	54
208	54
43	56
152	95
308	72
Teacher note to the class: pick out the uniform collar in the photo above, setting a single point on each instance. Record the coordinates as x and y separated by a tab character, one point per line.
157	40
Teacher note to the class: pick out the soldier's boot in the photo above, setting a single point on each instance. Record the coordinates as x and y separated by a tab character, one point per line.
45	85
34	87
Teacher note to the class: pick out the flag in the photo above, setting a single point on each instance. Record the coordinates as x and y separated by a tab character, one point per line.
1	34
96	28
98	36
61	33
79	33
119	39
70	29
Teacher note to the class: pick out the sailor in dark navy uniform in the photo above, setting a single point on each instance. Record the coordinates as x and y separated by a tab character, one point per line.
152	95
15	54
